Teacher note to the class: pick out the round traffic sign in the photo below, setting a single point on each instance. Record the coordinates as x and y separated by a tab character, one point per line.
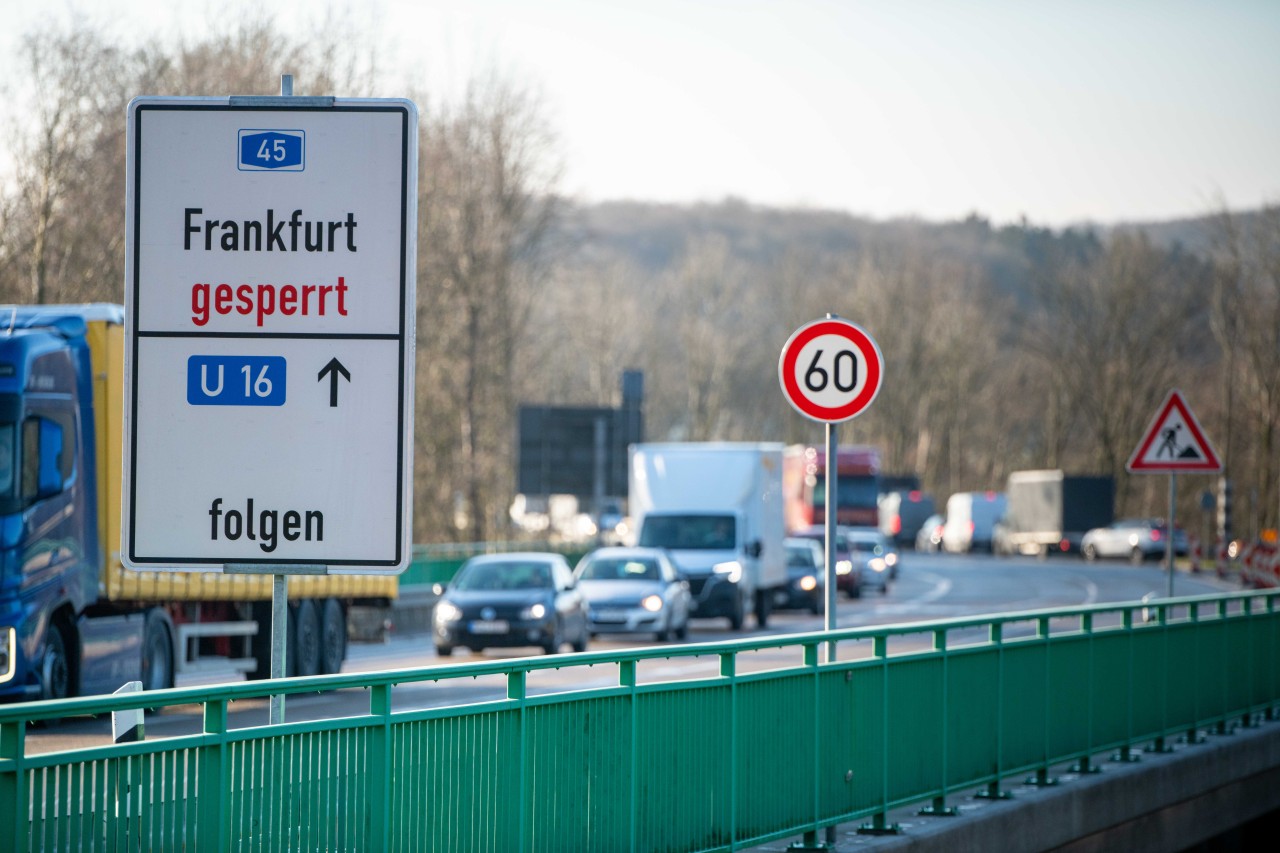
830	370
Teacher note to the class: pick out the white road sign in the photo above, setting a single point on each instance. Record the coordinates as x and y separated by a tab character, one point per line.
269	326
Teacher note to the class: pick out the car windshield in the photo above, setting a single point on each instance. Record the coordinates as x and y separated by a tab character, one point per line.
689	532
863	545
800	557
621	569
504	576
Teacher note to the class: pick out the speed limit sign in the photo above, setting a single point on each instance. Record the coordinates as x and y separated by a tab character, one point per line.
830	370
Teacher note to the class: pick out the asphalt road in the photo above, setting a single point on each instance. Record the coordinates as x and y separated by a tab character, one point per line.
929	587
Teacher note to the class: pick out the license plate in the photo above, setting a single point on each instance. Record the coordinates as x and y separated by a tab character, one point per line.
610	615
490	626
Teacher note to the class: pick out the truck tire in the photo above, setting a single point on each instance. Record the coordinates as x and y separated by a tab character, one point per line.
157	653
333	636
306	637
738	615
763	601
55	666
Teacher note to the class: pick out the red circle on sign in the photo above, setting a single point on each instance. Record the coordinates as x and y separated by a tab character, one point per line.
861	341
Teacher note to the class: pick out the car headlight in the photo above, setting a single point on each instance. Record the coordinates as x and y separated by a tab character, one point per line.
891	559
876	564
534	611
808	583
652	603
843	567
447	612
730	571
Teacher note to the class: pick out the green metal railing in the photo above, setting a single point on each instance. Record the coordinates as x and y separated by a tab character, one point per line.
731	758
433	564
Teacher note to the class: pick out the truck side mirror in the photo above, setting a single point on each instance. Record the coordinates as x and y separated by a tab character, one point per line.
754	548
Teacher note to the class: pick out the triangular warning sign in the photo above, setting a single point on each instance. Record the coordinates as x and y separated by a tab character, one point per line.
1174	442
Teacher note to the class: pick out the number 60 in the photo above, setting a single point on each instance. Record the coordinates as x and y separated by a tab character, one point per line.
816	378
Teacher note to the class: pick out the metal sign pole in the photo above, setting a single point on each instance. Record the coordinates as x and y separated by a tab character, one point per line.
829	621
279	643
1168	546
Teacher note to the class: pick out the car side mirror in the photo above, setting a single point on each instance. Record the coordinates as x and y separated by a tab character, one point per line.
754	549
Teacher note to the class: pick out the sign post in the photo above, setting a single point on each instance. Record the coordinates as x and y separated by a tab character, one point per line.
830	371
269	338
1174	442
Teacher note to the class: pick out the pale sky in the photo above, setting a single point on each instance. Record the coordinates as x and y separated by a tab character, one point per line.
1059	110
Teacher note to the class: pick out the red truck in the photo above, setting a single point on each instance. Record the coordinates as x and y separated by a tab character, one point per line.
804	484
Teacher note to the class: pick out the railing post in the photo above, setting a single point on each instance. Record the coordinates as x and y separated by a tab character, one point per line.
879	821
380	767
1085	764
516	691
939	807
995	636
13	786
627	678
1126	753
1042	778
729	670
214	783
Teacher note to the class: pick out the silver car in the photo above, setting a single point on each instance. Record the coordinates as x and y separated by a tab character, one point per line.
873	555
1135	538
634	590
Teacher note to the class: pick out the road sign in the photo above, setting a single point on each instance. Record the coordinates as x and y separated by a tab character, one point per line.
830	370
1174	442
269	328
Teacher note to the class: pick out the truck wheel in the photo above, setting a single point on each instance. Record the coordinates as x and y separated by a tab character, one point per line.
763	600
737	616
333	636
55	667
306	637
157	653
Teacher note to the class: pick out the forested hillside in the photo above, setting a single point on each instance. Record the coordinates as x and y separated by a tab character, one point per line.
1006	347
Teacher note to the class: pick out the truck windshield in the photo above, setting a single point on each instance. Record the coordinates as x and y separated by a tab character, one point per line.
689	532
851	491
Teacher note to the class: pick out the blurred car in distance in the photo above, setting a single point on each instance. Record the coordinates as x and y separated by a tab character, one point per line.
1137	539
806	576
872	556
516	599
929	539
634	590
847	580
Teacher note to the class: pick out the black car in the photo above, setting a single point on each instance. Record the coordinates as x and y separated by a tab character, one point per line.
520	599
806	576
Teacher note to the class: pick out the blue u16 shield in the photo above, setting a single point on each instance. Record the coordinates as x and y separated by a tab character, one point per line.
236	380
272	150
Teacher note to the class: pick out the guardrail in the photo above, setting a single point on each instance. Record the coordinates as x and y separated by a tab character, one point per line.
749	753
432	564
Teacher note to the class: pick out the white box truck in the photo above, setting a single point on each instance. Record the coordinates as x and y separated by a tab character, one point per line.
717	510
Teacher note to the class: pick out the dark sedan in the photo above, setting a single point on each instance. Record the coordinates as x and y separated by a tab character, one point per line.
506	600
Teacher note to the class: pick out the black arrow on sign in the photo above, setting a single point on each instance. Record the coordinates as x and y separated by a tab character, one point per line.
333	368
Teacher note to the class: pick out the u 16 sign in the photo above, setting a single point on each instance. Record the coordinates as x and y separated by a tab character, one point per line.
830	370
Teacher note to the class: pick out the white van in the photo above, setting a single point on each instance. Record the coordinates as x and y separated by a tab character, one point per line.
970	518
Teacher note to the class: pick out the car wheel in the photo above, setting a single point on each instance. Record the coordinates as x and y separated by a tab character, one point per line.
1137	557
1090	552
763	604
580	644
815	605
662	636
444	650
554	642
682	632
